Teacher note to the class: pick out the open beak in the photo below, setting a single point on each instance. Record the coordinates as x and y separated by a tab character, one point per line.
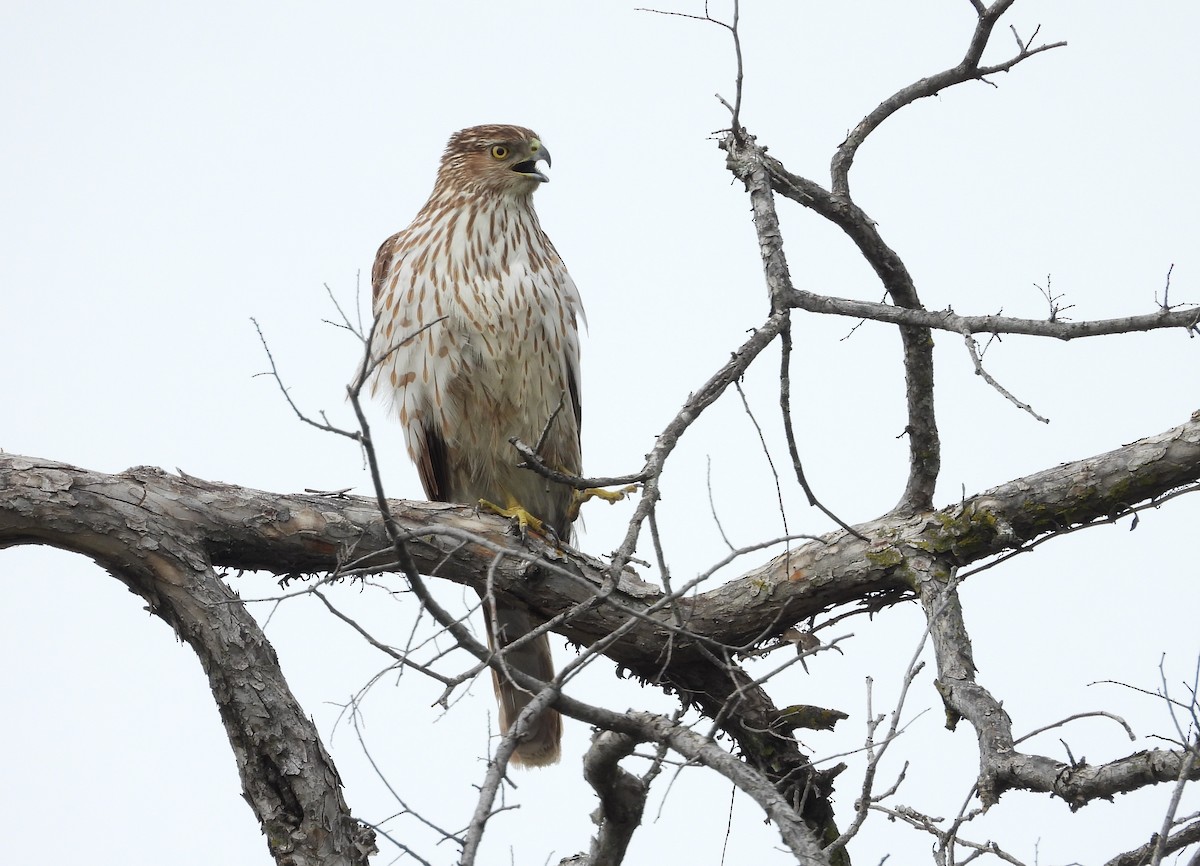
529	167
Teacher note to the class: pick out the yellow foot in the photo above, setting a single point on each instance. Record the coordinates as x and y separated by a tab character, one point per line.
524	519
609	496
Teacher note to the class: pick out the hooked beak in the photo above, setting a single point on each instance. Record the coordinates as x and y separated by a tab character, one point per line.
529	167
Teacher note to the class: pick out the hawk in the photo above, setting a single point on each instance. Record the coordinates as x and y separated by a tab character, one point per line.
476	340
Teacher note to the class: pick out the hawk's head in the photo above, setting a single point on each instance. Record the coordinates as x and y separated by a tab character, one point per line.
494	158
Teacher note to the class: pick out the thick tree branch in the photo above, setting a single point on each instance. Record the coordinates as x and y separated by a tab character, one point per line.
247	529
1142	855
287	777
162	534
1008	517
622	796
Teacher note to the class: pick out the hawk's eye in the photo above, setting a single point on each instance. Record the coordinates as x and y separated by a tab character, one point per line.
499	151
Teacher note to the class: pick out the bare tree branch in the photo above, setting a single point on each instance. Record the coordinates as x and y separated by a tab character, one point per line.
1140	856
748	162
287	776
973	351
306	534
948	320
622	796
968	69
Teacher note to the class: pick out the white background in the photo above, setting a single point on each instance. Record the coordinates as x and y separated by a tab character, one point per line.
168	172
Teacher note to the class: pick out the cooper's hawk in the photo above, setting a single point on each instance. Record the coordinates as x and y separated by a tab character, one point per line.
477	341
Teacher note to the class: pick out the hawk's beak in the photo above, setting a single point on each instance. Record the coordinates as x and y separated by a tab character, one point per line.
538	152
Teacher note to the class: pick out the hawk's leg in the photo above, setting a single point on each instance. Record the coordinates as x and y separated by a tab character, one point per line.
610	496
515	510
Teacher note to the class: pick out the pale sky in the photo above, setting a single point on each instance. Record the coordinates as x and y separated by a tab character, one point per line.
169	172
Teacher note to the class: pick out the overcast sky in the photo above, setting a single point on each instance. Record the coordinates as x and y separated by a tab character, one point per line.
169	172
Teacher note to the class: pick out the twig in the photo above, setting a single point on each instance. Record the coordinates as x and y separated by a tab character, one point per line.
785	408
402	658
712	504
1073	717
973	349
875	755
354	717
1052	300
735	110
534	462
665	444
1189	761
274	373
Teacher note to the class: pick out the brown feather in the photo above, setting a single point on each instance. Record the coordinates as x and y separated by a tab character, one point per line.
542	745
383	260
432	466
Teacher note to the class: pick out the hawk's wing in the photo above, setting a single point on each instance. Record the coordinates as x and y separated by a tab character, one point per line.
426	445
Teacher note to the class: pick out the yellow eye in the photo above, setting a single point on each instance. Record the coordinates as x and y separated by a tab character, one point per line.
499	151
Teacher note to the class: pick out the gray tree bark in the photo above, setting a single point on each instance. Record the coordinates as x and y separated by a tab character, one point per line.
164	536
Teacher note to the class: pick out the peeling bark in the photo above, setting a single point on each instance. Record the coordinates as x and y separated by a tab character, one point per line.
143	534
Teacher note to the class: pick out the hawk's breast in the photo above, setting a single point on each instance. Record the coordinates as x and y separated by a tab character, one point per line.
489	313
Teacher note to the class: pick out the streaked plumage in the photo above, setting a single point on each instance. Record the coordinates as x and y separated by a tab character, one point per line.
476	326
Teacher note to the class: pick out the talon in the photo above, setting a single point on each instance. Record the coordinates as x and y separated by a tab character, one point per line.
609	496
514	511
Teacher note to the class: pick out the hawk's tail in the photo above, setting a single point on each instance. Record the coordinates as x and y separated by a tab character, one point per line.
542	745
